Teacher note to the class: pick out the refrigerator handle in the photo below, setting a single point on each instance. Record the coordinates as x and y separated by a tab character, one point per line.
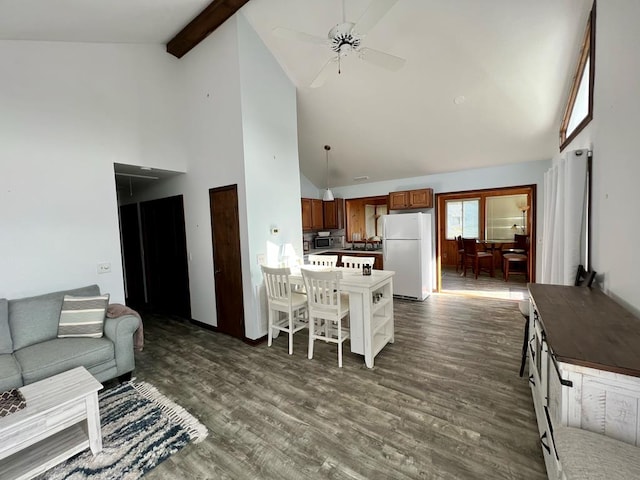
384	240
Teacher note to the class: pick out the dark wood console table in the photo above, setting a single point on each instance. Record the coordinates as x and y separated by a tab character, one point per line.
584	365
586	327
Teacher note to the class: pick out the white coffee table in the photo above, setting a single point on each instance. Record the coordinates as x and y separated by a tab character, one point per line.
61	419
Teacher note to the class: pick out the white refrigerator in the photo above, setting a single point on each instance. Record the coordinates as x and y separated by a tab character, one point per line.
407	250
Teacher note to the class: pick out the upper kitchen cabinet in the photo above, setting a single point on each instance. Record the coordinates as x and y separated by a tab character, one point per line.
312	214
317	214
307	223
334	214
422	198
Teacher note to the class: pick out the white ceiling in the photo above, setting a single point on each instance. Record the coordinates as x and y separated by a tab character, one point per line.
511	60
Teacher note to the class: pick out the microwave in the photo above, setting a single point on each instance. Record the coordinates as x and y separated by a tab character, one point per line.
323	242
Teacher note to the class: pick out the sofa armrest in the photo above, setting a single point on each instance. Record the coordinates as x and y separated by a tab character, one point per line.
120	331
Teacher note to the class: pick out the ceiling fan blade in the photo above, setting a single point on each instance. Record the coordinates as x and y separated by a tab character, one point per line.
299	36
372	15
324	73
381	59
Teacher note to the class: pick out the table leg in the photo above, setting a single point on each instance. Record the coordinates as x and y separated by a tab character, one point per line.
93	424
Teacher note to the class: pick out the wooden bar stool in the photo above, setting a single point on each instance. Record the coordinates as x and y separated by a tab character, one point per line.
509	259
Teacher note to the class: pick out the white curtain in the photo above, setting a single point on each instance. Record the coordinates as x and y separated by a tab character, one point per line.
565	187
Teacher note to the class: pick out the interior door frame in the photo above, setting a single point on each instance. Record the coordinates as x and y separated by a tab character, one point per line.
236	329
441	198
163	219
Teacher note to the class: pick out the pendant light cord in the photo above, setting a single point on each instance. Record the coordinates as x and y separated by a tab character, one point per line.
327	148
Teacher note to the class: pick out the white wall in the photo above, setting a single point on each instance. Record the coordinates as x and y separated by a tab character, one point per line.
272	179
67	113
613	137
211	124
308	189
480	178
240	126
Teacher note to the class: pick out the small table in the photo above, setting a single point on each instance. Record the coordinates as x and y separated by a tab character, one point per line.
61	419
371	322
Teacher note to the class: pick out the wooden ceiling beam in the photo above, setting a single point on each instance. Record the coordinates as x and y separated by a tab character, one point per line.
200	27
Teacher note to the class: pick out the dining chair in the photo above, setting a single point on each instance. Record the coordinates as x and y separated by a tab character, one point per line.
283	299
357	262
460	259
474	258
520	244
323	260
327	307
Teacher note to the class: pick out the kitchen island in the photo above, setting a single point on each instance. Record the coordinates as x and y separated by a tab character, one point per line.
357	252
371	324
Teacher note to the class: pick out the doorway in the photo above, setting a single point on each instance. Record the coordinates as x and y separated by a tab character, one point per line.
155	256
227	264
493	217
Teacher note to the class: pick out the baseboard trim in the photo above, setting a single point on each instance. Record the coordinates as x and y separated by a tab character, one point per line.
213	328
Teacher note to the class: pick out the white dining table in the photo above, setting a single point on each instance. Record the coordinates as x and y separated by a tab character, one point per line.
371	323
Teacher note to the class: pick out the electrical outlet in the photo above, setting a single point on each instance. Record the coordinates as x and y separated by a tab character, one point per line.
104	267
261	259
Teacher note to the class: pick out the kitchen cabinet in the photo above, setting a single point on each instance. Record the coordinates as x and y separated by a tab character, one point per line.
584	366
317	214
334	214
312	214
422	198
307	223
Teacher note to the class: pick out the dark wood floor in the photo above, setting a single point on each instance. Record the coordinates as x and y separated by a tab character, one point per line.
443	402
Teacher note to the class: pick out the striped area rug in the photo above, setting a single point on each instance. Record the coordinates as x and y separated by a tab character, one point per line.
140	429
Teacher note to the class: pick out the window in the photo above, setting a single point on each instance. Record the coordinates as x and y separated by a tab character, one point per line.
463	218
579	110
506	216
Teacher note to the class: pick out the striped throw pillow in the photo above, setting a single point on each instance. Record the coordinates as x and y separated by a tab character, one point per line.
82	316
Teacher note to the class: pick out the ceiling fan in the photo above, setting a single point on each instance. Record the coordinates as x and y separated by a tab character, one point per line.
346	38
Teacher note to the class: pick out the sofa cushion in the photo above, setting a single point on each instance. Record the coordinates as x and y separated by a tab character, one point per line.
55	356
10	376
588	455
35	319
82	316
6	345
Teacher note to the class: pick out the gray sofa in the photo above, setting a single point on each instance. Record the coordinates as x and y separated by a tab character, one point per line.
31	351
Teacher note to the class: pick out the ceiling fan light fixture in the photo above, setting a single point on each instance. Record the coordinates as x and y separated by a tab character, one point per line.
345	39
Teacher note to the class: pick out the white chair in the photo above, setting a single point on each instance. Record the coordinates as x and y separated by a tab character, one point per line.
323	260
327	306
357	262
283	299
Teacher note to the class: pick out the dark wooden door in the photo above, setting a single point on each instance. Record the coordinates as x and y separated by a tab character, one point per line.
227	268
132	256
165	256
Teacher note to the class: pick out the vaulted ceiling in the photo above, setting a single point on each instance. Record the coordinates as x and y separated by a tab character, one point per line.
484	82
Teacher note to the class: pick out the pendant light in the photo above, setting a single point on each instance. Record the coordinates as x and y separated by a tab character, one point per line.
328	194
